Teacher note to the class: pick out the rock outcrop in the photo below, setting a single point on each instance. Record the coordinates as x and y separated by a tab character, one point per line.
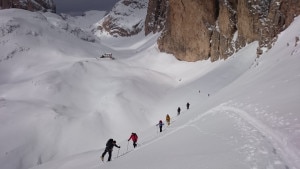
156	16
197	30
127	18
31	5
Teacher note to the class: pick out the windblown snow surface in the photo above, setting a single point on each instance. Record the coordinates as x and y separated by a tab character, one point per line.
60	102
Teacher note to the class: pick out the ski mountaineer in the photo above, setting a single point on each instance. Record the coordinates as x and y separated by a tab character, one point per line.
168	119
178	111
188	105
134	139
160	125
109	148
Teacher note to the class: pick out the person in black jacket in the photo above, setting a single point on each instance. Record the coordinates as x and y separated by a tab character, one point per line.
109	148
178	111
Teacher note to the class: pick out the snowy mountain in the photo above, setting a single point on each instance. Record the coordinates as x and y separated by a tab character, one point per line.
127	18
31	5
201	30
60	102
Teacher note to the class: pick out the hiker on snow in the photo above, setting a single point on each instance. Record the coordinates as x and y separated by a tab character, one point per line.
168	119
134	139
187	105
178	111
109	148
160	125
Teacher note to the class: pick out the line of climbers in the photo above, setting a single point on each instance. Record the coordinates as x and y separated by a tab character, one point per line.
110	144
168	118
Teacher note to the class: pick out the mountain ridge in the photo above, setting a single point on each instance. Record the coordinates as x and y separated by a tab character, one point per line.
31	5
219	29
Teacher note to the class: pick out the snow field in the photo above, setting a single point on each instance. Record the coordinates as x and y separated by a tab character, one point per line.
59	104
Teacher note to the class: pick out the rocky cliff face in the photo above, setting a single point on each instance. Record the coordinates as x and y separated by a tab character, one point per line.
156	16
196	30
126	18
31	5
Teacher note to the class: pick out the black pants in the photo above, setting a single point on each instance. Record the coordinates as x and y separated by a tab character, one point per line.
160	128
134	144
109	154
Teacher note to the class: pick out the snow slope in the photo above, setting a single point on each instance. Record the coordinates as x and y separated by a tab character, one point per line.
59	102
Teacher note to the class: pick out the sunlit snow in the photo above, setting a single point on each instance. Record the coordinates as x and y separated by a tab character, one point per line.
60	102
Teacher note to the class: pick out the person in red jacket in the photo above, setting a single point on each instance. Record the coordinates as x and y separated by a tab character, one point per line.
134	139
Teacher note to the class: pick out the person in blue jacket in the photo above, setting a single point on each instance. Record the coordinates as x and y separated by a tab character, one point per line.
160	125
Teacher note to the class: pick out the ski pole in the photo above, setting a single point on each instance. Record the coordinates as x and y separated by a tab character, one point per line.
118	152
127	146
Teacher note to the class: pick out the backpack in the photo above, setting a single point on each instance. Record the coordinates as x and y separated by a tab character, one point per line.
160	123
168	118
135	137
109	142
